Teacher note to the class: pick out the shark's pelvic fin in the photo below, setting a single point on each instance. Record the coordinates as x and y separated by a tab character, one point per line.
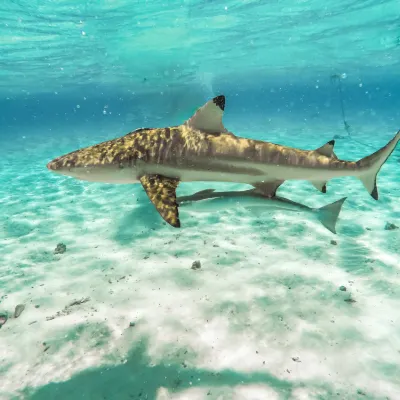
208	118
268	188
319	185
162	193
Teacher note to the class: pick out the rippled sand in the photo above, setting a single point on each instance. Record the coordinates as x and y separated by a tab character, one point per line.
262	319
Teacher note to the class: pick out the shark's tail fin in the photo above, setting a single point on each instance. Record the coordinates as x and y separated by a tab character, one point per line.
328	215
371	165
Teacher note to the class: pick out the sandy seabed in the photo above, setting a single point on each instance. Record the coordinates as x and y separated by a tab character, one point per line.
122	315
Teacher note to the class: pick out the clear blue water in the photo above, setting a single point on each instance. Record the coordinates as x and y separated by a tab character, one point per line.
264	317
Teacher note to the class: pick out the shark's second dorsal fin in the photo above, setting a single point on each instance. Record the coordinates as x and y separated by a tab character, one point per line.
208	118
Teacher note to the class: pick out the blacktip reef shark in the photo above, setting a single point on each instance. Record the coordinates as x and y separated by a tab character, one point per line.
202	149
210	200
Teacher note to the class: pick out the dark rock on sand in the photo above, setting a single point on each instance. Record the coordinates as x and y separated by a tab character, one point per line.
60	249
390	227
196	265
18	310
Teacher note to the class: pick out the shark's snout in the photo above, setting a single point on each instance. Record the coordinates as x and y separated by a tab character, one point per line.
52	166
56	165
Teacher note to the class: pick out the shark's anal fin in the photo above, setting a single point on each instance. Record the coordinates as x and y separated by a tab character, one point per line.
162	193
268	188
208	118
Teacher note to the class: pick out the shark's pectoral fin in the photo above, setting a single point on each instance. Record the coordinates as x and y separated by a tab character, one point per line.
268	188
208	118
319	185
162	193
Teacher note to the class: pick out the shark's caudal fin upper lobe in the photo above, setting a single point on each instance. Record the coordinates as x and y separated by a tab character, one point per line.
328	215
371	165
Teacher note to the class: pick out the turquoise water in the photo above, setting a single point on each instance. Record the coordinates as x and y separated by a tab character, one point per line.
121	314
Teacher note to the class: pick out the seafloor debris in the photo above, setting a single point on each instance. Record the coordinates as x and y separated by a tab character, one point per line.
3	318
78	302
196	265
390	227
343	288
334	242
18	310
67	309
350	300
132	324
296	359
60	249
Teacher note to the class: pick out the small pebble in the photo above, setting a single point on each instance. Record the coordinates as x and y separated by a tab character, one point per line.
60	249
196	265
343	288
37	306
131	324
390	227
334	242
18	310
349	300
296	359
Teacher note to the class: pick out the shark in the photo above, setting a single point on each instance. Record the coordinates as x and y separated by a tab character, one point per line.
202	149
211	200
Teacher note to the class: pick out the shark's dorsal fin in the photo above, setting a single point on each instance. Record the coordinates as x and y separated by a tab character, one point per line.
208	118
327	149
162	193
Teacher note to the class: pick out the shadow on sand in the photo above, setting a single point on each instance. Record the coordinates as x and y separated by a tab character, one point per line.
137	379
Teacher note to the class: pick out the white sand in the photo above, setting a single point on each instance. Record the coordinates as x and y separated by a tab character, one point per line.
262	319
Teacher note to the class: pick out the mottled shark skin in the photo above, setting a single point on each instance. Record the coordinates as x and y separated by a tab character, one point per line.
202	149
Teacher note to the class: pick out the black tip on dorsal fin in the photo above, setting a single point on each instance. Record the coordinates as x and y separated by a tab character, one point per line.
332	142
220	101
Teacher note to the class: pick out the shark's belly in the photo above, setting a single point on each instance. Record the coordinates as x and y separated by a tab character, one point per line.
210	175
104	175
